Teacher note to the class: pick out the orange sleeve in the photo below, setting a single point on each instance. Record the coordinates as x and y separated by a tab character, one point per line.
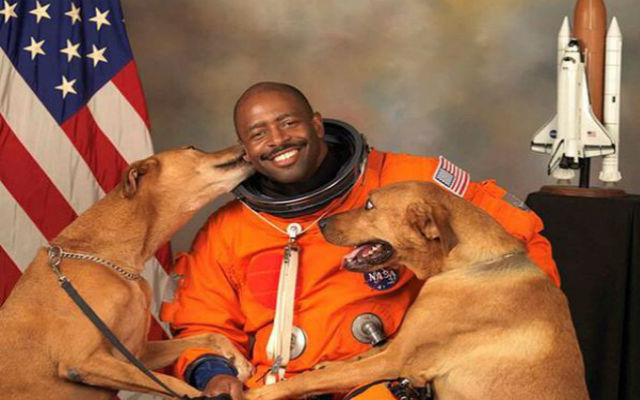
206	300
521	223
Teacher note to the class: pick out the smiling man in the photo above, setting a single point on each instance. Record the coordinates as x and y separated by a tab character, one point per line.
281	133
261	274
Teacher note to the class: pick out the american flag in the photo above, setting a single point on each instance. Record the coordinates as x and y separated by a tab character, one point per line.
451	177
72	117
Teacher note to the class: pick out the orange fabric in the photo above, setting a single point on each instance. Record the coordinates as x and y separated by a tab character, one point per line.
230	276
378	391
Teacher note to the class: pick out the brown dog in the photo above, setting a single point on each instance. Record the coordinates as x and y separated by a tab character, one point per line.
488	323
49	349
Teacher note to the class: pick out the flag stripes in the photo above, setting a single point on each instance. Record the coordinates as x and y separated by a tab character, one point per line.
129	85
9	273
23	240
95	148
109	101
42	202
451	177
461	177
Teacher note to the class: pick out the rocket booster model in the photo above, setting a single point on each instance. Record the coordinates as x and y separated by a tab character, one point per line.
575	132
610	172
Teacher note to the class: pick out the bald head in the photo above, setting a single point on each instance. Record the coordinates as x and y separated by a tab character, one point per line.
264	87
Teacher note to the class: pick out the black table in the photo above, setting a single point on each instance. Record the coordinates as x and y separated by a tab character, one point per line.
596	244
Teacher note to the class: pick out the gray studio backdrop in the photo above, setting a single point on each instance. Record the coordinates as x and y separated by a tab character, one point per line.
469	79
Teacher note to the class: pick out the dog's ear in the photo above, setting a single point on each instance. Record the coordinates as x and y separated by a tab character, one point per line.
131	177
432	222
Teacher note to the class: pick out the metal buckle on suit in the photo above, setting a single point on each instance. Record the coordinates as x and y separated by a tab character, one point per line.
298	342
368	328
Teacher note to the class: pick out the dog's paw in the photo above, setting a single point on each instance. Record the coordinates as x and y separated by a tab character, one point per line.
220	345
243	366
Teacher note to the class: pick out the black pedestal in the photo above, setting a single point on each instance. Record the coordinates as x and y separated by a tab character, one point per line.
596	244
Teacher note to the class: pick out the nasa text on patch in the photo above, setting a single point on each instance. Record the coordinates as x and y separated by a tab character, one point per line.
381	279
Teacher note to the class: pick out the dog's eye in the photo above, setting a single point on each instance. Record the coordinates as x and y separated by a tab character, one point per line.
368	205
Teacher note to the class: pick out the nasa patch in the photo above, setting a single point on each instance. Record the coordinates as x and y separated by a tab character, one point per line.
381	279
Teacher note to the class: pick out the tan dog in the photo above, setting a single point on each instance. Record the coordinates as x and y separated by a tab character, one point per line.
49	349
488	323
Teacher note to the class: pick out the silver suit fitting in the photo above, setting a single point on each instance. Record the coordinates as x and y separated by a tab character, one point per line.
368	328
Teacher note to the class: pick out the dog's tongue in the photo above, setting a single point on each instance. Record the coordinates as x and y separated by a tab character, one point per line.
353	253
352	256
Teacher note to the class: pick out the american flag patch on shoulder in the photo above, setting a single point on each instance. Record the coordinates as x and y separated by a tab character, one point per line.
451	177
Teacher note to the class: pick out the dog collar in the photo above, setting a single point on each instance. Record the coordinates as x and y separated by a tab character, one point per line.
56	254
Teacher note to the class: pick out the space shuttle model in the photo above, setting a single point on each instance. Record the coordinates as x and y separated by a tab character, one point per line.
576	132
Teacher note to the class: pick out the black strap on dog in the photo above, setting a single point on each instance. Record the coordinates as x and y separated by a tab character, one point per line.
54	262
402	389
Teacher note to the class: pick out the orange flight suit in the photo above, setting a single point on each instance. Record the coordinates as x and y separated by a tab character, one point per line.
230	277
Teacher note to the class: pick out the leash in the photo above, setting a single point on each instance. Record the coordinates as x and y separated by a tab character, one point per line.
55	255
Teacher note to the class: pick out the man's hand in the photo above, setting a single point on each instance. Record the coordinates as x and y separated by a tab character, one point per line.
220	384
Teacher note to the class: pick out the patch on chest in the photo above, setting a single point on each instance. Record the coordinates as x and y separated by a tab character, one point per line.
381	279
262	277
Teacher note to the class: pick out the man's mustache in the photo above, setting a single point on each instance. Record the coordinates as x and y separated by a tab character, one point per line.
297	144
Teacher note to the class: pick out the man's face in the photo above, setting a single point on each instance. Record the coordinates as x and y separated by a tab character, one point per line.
282	141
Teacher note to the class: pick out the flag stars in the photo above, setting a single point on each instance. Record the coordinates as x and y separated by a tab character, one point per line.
40	11
71	50
9	11
100	18
74	14
66	86
97	55
35	48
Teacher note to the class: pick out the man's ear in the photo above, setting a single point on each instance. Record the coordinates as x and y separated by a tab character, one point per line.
318	124
245	155
432	222
131	177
